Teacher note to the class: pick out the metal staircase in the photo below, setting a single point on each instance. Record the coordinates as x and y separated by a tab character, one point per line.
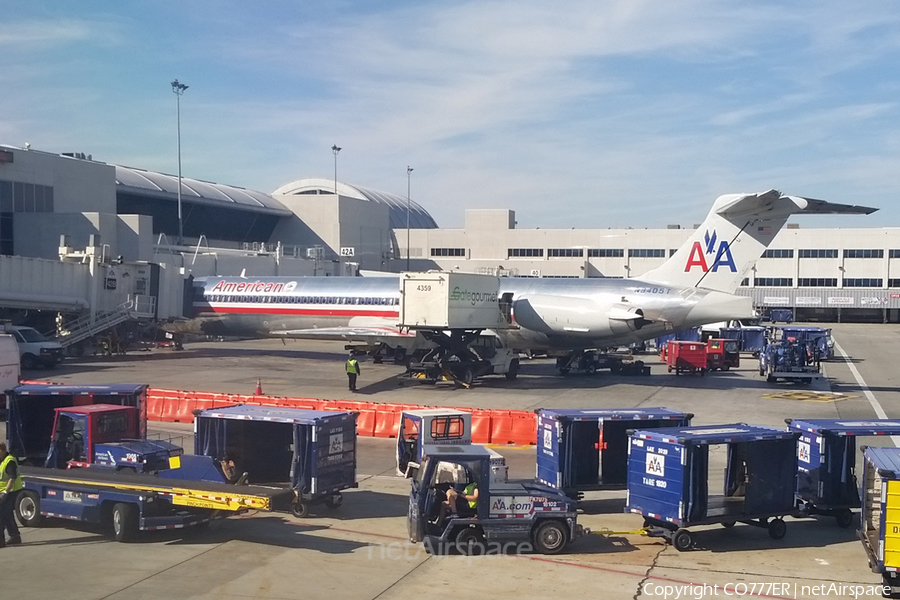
135	308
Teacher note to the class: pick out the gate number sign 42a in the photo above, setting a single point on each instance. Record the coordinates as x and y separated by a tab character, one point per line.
348	251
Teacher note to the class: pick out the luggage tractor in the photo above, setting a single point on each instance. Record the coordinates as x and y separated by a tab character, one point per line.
421	430
506	514
106	436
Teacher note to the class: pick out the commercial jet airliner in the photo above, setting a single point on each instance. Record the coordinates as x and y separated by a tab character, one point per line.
696	285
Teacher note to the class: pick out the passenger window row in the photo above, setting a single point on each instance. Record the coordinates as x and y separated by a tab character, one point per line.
338	300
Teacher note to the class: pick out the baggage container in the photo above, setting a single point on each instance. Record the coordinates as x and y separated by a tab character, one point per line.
826	464
311	452
669	483
879	527
449	301
580	450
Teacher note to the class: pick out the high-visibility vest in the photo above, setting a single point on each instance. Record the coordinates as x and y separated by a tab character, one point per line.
470	489
18	484
353	366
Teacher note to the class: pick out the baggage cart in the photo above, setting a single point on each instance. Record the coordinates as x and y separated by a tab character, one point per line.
686	357
722	354
580	450
311	452
826	464
669	483
879	531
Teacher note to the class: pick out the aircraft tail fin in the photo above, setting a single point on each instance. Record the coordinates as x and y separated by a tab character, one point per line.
734	235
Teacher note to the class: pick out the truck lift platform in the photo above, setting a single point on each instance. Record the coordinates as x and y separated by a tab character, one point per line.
194	494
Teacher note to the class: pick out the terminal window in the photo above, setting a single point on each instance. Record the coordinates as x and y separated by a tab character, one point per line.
606	253
893	253
525	252
565	252
864	253
773	281
892	283
25	197
778	253
448	251
863	282
818	253
817	282
647	253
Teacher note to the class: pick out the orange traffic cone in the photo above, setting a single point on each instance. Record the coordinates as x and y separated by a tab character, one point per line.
258	391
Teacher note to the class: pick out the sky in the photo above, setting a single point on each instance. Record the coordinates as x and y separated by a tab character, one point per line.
587	114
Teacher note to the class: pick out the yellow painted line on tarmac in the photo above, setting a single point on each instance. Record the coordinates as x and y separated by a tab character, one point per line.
809	396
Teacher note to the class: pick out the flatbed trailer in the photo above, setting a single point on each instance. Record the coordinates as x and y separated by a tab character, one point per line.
130	502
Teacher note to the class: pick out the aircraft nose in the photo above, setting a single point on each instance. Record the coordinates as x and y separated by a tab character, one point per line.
719	306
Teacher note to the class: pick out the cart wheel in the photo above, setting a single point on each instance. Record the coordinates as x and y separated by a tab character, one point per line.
550	537
591	369
563	371
761	372
124	521
28	509
844	518
771	379
777	528
300	509
470	541
728	524
682	540
335	500
467	376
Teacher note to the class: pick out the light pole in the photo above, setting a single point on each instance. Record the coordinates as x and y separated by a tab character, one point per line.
178	89
409	171
335	149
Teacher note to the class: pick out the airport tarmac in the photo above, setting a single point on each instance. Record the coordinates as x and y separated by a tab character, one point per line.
360	550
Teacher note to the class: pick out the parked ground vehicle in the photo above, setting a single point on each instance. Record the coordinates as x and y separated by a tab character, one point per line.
105	436
309	453
591	361
34	348
826	464
791	360
880	513
513	512
668	479
686	357
422	429
722	354
579	450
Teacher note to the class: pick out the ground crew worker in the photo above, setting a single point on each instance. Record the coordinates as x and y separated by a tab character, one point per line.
11	485
463	503
352	372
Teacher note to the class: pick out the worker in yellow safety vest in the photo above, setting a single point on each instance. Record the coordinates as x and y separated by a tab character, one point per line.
352	372
11	485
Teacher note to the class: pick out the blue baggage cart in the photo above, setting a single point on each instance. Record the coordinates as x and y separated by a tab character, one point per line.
819	336
581	450
668	479
753	339
785	315
826	464
312	452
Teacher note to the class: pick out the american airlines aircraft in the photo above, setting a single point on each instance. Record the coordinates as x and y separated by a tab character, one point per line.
694	286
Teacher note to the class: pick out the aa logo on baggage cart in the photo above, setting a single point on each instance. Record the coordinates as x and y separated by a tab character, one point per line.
656	464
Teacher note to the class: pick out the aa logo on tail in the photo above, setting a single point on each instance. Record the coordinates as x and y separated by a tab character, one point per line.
721	256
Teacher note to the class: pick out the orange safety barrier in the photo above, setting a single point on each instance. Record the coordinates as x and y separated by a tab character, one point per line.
365	422
387	421
481	426
154	405
502	427
524	427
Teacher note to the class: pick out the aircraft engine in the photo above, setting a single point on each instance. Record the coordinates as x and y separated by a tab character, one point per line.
563	315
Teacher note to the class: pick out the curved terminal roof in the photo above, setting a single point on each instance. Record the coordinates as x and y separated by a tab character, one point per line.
149	183
418	216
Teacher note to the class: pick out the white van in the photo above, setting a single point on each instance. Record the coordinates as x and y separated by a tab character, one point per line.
9	364
34	348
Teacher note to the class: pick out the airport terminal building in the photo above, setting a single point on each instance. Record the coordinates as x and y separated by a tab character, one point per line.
65	207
